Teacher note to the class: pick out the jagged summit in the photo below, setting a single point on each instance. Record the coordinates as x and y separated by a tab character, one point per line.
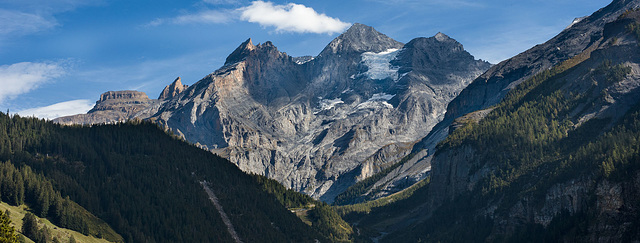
172	90
360	38
241	52
247	48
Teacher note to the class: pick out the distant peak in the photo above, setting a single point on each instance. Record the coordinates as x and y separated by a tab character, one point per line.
361	38
442	37
358	26
241	52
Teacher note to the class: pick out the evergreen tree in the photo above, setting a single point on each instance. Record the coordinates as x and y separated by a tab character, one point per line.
7	232
30	226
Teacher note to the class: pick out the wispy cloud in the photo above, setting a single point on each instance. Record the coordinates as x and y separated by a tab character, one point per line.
17	23
291	18
203	17
19	18
66	108
20	78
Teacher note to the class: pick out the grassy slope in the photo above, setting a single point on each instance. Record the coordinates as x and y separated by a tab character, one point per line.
18	212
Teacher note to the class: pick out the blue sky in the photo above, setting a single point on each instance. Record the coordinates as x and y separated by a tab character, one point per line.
58	56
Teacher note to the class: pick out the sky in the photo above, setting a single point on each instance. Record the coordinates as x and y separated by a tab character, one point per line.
58	56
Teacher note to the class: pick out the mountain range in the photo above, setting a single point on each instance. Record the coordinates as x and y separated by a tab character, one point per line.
316	124
409	142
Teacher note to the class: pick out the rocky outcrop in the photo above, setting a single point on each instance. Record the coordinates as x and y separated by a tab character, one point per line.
114	106
172	90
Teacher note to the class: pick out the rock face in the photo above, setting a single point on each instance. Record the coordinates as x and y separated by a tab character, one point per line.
172	90
113	106
317	124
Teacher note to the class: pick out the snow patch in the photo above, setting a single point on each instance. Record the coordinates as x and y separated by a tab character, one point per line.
303	59
378	100
326	104
378	64
381	97
575	21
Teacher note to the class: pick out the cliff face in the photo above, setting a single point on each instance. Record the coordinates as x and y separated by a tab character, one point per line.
311	123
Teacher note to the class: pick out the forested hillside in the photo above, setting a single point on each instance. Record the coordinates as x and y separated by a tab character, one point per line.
557	160
142	182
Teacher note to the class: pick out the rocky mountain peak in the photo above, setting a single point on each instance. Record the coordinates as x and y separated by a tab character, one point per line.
437	51
442	37
241	52
360	38
172	90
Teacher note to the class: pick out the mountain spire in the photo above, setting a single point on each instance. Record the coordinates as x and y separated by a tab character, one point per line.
360	38
172	90
241	52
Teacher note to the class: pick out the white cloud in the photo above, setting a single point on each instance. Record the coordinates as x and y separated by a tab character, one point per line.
66	108
285	18
16	23
20	78
291	18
